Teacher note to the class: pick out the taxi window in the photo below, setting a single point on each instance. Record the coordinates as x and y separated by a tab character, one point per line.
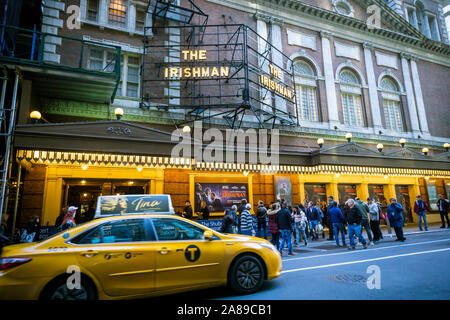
172	229
130	230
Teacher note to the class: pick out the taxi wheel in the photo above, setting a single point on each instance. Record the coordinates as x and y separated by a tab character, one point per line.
59	290
246	275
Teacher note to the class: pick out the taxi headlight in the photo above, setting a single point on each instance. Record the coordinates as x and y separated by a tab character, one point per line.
269	246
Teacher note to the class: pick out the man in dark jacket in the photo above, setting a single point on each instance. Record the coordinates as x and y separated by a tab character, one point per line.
395	216
354	218
421	208
313	215
261	216
329	222
443	205
337	220
284	220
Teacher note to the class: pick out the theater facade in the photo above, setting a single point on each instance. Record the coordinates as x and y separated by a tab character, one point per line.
338	107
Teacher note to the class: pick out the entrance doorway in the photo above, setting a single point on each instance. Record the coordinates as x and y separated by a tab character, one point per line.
83	193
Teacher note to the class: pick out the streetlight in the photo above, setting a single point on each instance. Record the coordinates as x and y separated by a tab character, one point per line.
320	142
446	146
36	116
186	129
425	151
402	142
380	147
119	113
348	136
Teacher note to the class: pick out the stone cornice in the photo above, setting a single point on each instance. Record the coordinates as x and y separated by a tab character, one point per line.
414	38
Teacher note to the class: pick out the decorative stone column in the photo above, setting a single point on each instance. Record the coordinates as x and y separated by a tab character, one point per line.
277	57
103	13
373	91
330	87
410	94
419	97
261	29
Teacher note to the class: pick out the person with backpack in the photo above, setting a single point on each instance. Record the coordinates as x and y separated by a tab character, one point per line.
261	216
374	213
246	220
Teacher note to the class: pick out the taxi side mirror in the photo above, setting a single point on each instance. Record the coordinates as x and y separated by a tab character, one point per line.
208	235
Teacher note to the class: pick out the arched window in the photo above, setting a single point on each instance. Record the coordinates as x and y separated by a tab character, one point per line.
391	104
306	93
343	7
351	98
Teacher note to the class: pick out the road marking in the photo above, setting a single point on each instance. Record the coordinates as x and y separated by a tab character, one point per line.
366	260
371	249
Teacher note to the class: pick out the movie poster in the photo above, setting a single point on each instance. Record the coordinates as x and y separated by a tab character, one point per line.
316	193
376	191
402	193
283	190
346	191
432	195
219	196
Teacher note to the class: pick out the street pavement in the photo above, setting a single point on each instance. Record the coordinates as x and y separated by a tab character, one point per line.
415	269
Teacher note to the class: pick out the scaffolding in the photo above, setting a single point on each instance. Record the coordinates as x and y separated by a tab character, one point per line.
237	74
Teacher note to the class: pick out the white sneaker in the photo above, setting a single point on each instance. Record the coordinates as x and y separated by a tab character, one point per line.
372	244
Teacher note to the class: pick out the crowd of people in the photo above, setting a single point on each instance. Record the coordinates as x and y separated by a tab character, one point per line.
291	225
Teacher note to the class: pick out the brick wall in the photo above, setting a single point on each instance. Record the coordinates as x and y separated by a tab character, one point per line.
33	194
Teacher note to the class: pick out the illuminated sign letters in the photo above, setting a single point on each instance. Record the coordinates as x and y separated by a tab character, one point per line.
274	85
195	72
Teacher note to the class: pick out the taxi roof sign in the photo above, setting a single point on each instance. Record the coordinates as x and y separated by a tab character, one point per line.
134	204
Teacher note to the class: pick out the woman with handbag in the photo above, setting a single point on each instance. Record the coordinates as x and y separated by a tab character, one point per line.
374	213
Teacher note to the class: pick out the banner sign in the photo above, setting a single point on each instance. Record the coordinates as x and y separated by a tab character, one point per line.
217	223
432	195
219	196
283	189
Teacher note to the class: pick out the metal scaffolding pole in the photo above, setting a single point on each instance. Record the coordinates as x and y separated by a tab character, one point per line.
6	162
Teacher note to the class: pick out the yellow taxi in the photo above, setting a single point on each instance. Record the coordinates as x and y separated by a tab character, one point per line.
126	256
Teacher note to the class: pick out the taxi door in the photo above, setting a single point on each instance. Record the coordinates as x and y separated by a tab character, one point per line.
183	257
120	254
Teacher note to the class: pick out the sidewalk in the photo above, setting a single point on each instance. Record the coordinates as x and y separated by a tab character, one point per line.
322	244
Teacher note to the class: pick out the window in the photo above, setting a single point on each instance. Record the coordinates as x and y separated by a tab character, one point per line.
391	105
92	10
129	80
117	12
172	229
140	19
305	91
130	230
433	28
105	60
343	7
351	99
102	60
